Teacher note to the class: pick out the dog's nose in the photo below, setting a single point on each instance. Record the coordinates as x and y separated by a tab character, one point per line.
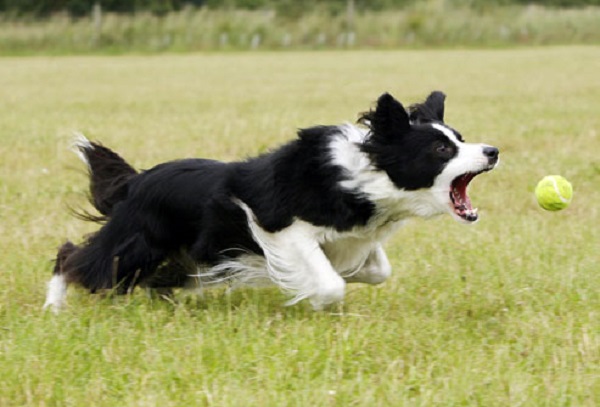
491	153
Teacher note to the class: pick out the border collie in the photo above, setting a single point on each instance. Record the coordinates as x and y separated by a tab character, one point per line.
310	216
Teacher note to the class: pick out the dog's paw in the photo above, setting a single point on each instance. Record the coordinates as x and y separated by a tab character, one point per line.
56	295
330	293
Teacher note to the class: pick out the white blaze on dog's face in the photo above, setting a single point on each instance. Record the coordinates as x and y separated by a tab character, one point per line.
450	187
428	162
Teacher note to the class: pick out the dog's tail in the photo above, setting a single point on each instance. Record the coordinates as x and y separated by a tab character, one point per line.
109	174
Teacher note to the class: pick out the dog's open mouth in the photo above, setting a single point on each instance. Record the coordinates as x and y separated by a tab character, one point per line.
461	203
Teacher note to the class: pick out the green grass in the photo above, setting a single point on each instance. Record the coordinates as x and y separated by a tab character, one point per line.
502	313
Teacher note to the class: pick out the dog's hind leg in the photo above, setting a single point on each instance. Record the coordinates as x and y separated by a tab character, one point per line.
104	262
172	274
57	287
133	263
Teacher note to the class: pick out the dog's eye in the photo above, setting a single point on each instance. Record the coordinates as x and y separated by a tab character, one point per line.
442	149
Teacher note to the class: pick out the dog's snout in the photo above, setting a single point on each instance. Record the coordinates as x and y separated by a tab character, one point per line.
491	153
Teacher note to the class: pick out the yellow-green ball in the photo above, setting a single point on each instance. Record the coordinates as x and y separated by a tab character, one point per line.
554	193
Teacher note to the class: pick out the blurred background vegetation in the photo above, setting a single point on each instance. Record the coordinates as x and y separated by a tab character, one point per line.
80	8
148	26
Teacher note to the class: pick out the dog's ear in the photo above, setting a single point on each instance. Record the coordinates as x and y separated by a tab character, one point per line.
430	110
389	119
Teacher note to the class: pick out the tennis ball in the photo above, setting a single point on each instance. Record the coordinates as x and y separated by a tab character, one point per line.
554	193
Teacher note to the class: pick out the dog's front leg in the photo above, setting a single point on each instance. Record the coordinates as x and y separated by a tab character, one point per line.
296	263
375	270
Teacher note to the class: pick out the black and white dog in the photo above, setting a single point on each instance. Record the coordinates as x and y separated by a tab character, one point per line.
309	217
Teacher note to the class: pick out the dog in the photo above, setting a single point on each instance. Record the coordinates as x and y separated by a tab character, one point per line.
310	216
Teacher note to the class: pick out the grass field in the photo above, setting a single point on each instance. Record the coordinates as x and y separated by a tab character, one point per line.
502	313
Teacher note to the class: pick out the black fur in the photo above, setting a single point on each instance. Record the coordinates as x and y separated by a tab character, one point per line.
411	154
162	223
432	110
108	174
184	210
299	180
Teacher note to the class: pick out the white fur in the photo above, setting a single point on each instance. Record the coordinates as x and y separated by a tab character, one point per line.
394	204
56	294
296	262
81	142
356	260
470	158
313	262
375	269
246	269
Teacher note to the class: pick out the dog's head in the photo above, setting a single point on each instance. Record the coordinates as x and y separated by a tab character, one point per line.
420	153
